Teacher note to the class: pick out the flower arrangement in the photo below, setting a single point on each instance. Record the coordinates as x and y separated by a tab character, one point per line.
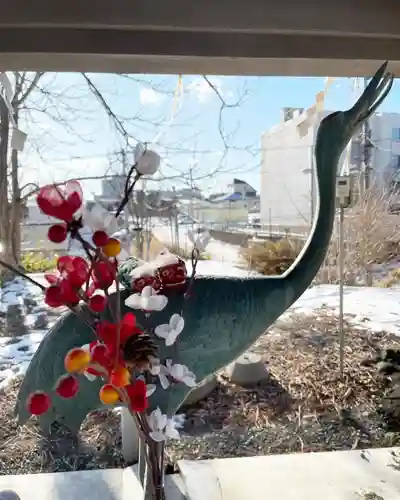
125	355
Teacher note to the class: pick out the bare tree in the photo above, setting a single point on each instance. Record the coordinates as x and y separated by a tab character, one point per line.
36	95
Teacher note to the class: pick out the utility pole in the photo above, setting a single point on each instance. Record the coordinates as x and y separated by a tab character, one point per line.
367	146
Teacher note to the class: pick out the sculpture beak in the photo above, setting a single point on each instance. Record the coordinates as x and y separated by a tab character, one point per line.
372	97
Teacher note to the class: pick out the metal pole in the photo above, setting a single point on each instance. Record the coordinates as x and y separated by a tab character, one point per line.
367	150
341	291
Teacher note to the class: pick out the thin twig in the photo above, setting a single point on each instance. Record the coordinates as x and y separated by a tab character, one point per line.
22	274
119	319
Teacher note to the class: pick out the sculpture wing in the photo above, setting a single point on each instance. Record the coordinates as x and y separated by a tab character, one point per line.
47	366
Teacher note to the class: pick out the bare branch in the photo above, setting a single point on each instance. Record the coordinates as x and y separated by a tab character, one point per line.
117	122
17	101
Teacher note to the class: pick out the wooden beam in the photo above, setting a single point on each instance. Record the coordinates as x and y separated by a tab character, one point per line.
148	51
339	18
264	37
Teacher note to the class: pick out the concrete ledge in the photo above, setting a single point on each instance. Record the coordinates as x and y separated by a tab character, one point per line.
347	475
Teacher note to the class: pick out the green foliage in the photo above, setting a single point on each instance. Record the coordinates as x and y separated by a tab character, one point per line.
272	257
38	262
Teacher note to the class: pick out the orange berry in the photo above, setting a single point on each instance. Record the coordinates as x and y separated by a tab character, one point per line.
112	248
76	360
120	377
109	395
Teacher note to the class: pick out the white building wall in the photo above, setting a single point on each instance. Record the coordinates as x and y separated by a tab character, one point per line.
287	165
286	180
385	129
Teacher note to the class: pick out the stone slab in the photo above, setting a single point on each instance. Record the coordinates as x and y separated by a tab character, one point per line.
110	484
348	475
88	485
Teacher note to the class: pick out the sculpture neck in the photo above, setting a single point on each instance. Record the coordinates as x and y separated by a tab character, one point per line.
312	256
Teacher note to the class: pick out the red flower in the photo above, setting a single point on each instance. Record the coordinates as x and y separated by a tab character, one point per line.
108	333
60	201
38	403
72	274
74	269
97	303
67	386
103	276
137	395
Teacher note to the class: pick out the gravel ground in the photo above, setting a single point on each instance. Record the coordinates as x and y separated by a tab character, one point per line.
304	406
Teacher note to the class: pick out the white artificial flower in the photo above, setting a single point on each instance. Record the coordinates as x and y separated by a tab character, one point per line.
148	300
161	426
161	372
199	240
170	331
181	373
100	219
147	161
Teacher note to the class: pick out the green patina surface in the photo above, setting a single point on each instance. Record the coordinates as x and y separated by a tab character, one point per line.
224	316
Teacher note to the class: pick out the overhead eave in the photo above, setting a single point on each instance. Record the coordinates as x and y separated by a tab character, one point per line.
254	37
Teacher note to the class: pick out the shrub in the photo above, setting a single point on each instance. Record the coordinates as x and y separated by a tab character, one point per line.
272	257
371	236
392	280
37	262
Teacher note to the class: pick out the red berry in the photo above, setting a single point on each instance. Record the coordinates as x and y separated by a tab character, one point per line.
57	233
38	403
54	296
67	386
100	238
101	355
97	303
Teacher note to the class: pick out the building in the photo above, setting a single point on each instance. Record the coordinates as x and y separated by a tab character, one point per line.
288	189
112	188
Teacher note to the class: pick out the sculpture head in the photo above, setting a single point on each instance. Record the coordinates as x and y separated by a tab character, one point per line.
338	128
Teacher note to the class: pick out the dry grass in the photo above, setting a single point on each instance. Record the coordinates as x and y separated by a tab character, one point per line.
272	257
25	449
304	406
371	236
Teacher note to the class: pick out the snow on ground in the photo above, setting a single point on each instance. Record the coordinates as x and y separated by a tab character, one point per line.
214	268
216	250
20	296
374	308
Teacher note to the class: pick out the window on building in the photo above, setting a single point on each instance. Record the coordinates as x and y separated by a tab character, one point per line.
396	134
396	162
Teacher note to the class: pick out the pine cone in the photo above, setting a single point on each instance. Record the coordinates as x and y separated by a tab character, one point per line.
140	350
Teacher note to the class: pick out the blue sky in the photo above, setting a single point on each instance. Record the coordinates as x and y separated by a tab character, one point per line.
189	141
